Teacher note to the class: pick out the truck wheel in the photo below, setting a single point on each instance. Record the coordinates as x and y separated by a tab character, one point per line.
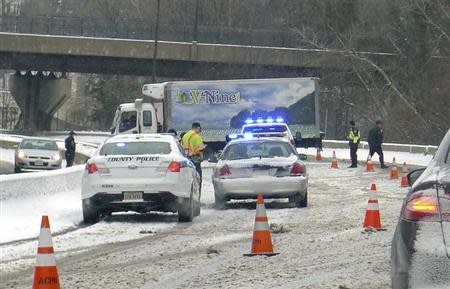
299	201
186	210
90	214
220	203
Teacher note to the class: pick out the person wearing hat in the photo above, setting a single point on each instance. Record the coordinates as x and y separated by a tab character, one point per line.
354	137
192	143
70	149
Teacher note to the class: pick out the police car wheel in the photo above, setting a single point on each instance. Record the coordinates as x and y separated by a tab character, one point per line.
90	214
299	201
186	210
220	203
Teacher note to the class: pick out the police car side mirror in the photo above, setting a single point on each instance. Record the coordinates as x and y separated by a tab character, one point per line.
302	157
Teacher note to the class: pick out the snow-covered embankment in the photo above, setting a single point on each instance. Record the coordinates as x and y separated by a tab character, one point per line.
25	197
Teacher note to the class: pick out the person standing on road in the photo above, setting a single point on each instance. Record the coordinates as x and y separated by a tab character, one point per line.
354	137
192	143
375	141
70	149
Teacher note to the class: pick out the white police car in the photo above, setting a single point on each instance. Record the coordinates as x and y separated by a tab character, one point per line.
269	127
141	173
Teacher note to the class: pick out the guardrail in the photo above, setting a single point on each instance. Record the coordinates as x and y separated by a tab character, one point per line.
410	148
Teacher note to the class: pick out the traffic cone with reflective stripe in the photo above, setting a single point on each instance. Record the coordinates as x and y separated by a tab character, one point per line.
373	219
45	271
262	240
318	155
369	167
394	171
404	181
334	164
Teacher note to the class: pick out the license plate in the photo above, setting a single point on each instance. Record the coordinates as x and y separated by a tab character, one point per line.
262	172
132	196
38	163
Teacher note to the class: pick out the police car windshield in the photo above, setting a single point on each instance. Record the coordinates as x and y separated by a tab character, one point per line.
38	144
257	149
264	129
136	148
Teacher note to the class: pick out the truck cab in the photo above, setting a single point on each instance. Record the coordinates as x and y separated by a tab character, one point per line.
137	117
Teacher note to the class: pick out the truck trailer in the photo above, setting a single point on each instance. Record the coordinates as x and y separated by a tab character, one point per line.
223	106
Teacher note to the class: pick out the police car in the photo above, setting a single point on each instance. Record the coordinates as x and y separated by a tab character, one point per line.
268	127
251	165
141	173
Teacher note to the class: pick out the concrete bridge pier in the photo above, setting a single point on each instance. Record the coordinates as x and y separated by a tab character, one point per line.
38	96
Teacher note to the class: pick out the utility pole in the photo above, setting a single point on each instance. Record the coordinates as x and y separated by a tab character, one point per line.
155	48
195	36
3	13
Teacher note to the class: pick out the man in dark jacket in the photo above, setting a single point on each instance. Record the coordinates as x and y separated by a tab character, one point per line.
70	149
354	137
375	141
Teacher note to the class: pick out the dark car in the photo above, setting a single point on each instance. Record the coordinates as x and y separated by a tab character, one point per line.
420	255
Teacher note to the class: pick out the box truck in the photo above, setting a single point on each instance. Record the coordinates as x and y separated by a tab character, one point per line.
223	106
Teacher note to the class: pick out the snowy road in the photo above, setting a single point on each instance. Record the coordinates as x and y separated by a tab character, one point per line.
324	246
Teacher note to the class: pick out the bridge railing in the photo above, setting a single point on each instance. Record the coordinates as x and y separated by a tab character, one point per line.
144	30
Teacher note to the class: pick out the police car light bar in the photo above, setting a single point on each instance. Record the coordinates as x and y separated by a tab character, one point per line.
249	135
269	119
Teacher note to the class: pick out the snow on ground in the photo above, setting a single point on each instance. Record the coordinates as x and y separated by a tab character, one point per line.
324	246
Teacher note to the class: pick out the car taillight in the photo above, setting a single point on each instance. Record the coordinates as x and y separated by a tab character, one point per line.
174	167
224	171
297	170
422	206
91	168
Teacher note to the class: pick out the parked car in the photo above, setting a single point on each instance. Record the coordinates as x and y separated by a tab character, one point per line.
267	166
37	153
140	173
420	254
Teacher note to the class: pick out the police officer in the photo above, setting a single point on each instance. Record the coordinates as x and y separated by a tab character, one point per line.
375	141
192	143
354	137
70	149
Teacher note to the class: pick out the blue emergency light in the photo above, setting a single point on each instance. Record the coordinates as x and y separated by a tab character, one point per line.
120	144
269	119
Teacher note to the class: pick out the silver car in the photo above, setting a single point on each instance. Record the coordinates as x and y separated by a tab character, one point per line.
37	153
267	166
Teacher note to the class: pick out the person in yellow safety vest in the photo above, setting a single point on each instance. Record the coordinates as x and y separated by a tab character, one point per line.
354	137
192	143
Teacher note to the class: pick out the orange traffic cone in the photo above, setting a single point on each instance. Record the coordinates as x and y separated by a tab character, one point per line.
404	181
262	241
369	167
394	171
373	219
318	155
45	271
334	164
